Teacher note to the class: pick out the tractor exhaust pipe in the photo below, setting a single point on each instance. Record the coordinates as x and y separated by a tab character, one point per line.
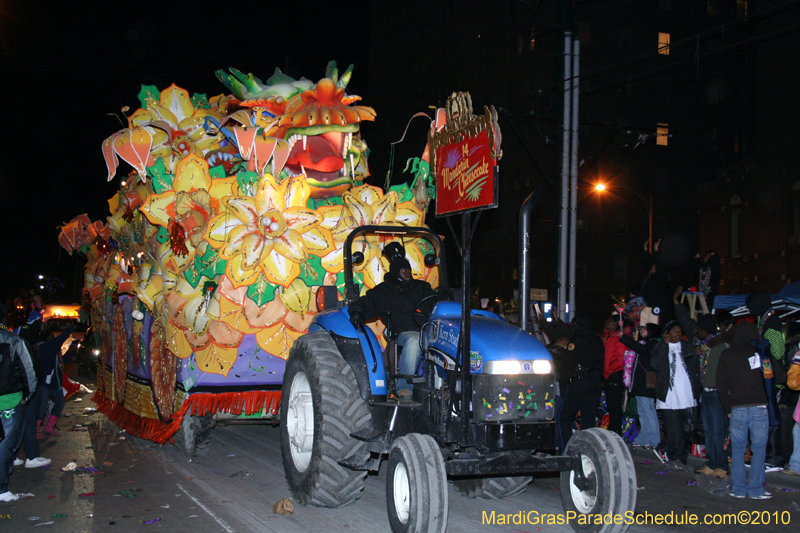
524	257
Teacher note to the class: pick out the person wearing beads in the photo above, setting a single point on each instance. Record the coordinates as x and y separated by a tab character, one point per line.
17	386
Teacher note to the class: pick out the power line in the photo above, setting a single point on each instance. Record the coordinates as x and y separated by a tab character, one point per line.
689	42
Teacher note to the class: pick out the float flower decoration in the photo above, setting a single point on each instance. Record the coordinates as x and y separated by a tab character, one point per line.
133	146
185	209
178	125
368	205
81	232
277	323
270	234
124	206
168	128
194	330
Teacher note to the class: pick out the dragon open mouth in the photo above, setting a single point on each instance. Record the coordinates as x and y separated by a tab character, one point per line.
325	159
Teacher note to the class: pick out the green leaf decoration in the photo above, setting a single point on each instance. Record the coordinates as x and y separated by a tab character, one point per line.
247	179
424	246
200	101
147	93
210	264
163	235
418	167
192	276
311	271
403	192
314	204
261	291
422	171
160	178
217	172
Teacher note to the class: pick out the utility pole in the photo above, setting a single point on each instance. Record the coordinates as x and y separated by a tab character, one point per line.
563	247
573	173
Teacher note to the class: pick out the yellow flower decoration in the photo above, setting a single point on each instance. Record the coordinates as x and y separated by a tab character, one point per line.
185	210
176	126
283	320
367	205
271	233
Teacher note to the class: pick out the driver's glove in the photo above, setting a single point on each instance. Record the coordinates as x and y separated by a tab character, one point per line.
356	319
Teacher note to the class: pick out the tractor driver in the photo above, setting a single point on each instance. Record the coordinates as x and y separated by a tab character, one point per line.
395	301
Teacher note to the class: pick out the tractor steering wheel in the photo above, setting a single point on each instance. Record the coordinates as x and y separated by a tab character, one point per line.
419	315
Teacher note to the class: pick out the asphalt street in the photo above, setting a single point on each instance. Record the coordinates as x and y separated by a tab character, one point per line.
128	484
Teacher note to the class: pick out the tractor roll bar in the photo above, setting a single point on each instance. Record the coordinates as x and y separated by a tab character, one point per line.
351	292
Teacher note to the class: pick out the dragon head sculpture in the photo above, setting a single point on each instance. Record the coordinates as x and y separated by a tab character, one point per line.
317	123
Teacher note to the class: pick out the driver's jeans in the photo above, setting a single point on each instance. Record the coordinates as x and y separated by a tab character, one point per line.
409	358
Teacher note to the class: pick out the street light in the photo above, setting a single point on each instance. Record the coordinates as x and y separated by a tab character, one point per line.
648	205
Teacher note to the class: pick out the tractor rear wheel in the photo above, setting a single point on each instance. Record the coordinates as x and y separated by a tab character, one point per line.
492	488
320	407
610	486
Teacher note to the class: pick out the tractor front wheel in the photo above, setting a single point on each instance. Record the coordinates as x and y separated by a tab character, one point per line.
416	486
609	485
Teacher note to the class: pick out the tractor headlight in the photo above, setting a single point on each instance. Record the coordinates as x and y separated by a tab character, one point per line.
542	366
538	366
502	367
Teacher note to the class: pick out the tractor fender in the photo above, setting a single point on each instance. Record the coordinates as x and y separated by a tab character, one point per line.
363	353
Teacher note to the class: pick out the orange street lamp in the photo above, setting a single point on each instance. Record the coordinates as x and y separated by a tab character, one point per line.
648	205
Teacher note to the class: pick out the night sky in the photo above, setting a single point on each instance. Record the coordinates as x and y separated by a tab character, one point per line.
67	65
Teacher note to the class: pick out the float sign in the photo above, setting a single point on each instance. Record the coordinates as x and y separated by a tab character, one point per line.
464	153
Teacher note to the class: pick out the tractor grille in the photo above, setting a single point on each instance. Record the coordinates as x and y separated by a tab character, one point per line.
523	397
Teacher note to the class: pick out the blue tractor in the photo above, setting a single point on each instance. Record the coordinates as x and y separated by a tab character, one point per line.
486	423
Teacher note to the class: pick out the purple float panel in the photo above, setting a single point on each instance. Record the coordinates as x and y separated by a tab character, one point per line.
254	369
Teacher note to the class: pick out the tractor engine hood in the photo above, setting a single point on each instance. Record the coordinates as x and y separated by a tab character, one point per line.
492	339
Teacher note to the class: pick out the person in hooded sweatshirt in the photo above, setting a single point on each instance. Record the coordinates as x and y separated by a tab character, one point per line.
741	391
395	301
770	328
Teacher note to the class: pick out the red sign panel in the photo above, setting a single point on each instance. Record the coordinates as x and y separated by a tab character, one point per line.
465	175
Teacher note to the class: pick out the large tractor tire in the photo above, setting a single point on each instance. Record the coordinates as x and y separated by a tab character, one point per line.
610	480
416	486
320	408
194	435
492	488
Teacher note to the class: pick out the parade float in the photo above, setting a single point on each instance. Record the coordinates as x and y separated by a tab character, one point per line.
233	216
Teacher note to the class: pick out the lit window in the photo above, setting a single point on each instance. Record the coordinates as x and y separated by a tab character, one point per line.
741	9
662	134
663	43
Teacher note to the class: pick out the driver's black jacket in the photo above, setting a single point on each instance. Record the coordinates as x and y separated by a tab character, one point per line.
394	301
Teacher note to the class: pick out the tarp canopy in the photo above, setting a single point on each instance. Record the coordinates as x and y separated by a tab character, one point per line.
787	306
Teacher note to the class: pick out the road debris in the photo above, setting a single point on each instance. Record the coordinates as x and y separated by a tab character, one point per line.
284	506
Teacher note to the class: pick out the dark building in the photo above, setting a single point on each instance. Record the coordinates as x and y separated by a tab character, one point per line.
750	209
680	102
